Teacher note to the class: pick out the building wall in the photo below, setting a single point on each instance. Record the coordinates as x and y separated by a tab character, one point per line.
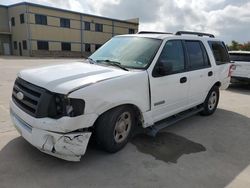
4	21
54	34
19	31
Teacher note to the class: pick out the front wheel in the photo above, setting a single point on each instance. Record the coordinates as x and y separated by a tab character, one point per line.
114	128
211	102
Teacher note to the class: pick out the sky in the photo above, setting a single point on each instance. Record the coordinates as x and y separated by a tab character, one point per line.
227	19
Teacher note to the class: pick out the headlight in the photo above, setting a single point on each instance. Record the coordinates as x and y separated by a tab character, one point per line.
61	106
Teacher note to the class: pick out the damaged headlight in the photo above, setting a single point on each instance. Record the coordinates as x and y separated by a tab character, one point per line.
61	106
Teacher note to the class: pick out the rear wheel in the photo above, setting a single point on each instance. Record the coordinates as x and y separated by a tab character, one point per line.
114	128
211	102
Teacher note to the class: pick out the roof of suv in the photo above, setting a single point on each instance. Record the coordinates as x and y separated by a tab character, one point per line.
179	34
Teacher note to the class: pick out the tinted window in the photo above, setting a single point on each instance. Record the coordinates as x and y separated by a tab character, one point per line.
220	52
172	56
98	27
21	18
197	55
87	26
41	19
12	21
15	45
66	46
42	45
87	48
131	31
65	22
239	57
24	45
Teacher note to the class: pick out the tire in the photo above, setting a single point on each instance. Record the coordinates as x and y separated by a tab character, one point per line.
114	128
211	102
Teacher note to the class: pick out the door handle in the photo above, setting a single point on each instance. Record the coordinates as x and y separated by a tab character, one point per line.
183	80
210	73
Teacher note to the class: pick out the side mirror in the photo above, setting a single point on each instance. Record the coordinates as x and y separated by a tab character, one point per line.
163	67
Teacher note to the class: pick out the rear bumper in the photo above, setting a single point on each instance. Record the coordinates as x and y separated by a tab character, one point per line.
68	146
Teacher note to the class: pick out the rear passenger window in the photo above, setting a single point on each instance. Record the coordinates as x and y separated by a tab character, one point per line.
220	52
197	54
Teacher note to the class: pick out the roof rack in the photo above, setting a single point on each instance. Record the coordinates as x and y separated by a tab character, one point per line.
194	33
152	32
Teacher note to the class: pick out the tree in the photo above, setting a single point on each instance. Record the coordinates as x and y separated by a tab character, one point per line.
238	46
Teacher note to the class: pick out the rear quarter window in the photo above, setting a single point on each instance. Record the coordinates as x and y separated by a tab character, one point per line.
219	51
239	57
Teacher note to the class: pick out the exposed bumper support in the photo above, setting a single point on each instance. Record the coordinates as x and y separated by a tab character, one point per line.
68	146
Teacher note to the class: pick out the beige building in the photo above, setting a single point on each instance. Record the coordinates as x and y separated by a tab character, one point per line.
35	30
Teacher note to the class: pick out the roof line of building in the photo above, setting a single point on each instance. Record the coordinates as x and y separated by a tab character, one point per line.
69	11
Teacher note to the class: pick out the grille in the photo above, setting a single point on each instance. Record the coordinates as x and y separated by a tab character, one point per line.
31	98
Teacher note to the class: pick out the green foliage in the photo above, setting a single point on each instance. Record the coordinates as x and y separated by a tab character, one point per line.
238	46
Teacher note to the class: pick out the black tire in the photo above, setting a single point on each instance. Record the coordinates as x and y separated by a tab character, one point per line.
209	108
106	125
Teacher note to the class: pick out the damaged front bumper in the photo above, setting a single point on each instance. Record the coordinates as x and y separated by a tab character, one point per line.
67	146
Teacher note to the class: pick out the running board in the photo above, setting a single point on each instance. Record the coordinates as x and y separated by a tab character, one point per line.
154	129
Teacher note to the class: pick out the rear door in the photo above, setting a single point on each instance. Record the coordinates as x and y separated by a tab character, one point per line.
200	71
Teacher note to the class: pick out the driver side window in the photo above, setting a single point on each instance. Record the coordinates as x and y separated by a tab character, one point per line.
171	60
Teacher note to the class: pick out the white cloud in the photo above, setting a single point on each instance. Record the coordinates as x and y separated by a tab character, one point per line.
228	19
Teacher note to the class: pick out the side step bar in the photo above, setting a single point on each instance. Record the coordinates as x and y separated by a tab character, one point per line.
154	129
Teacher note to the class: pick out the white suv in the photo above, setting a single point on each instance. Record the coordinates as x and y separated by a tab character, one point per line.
241	60
148	79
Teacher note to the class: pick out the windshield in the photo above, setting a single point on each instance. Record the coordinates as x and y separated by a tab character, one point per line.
130	52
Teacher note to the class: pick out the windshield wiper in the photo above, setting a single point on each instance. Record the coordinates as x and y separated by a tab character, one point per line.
113	63
91	61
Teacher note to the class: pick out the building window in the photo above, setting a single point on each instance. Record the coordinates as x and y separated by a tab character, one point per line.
87	48
42	45
65	22
12	21
21	18
131	31
41	19
87	26
98	27
24	44
66	46
97	46
15	45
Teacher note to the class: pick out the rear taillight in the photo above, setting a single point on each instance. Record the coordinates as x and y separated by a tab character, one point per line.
231	69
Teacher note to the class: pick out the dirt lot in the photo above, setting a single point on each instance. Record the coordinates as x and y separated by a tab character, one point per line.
197	152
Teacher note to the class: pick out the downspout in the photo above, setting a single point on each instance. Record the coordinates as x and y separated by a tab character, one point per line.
81	37
28	29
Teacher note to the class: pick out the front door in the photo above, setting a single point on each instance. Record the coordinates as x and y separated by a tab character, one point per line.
6	48
20	49
169	88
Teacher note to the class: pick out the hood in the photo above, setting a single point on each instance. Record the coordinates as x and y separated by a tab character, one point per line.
65	78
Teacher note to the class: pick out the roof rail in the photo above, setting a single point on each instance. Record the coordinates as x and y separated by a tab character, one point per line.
152	32
194	33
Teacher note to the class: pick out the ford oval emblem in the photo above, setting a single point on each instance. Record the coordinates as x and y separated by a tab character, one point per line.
20	95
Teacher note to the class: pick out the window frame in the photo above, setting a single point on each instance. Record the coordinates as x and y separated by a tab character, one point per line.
86	48
203	49
225	48
24	44
98	29
155	75
40	41
65	22
131	29
22	19
15	45
66	49
89	26
39	20
13	22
